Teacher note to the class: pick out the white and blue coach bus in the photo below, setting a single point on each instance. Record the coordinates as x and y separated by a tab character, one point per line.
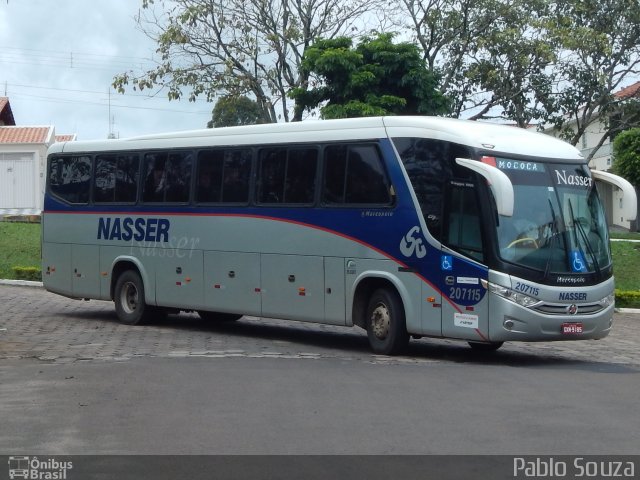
404	226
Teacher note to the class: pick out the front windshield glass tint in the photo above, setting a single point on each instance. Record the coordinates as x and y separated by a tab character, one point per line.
558	223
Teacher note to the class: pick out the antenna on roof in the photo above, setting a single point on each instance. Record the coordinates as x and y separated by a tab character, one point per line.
111	134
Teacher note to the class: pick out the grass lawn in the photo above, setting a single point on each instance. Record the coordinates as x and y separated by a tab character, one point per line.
626	265
625	235
20	246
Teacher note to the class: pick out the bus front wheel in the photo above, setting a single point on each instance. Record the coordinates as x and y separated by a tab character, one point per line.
385	321
129	299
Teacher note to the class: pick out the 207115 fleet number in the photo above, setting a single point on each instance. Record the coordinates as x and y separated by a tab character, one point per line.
527	289
464	294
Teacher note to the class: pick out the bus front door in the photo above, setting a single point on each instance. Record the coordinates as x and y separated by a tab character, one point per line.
465	308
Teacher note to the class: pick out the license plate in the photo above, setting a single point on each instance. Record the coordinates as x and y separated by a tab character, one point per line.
571	328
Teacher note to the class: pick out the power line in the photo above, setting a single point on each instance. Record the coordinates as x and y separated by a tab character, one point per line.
73	60
83	60
95	92
66	63
83	102
65	54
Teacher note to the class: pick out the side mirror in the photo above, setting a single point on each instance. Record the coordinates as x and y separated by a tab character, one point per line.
499	183
629	197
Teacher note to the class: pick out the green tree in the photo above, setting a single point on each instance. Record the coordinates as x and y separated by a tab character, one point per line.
377	77
233	111
491	55
600	41
238	47
626	151
555	63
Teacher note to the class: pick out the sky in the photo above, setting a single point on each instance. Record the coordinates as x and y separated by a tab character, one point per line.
57	62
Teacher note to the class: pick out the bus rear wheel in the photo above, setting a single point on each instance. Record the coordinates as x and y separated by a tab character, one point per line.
386	323
129	299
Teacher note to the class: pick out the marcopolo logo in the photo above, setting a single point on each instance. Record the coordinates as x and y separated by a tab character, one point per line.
38	469
413	245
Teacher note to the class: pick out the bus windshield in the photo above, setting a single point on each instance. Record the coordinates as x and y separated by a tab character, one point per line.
558	223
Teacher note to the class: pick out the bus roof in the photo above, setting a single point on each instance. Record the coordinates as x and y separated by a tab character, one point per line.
480	135
485	136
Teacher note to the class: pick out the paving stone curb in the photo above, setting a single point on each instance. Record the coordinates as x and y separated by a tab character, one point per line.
21	283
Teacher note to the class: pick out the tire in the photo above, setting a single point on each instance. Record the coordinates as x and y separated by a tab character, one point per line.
218	317
129	299
485	347
386	324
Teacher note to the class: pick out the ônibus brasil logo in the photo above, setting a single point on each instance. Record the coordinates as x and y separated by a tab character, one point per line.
36	469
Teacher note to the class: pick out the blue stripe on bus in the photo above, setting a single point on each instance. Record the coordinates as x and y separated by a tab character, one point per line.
428	269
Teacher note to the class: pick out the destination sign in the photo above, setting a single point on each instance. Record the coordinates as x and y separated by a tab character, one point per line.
520	166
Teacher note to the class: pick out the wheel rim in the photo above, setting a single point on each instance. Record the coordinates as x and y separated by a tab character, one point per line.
380	321
129	297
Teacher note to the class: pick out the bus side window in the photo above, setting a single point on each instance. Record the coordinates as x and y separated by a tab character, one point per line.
116	178
301	175
236	175
155	182
168	177
223	176
335	166
287	175
209	176
463	229
272	171
69	178
354	174
428	167
179	177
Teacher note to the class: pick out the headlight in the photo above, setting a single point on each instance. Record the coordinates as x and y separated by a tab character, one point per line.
511	295
608	300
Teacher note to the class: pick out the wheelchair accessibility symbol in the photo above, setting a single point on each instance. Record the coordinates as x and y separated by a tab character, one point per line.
577	262
446	262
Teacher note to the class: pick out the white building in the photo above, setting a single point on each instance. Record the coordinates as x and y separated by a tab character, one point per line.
23	155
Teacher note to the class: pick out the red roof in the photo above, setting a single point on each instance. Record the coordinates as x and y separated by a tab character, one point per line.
66	138
25	134
6	115
628	92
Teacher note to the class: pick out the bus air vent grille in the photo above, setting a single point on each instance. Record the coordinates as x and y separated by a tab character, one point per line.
562	309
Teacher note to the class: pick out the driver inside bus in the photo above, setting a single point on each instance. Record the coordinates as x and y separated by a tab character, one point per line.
536	229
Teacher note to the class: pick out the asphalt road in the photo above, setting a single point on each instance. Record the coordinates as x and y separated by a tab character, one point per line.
74	381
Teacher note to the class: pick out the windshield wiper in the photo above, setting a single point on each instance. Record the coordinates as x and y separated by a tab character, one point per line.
554	239
578	226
